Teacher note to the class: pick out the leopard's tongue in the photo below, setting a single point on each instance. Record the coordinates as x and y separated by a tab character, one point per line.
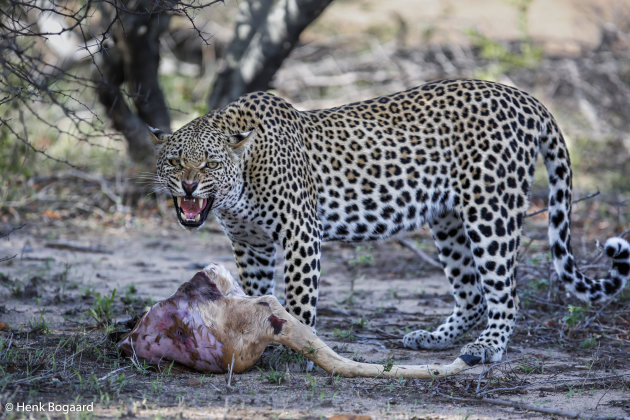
191	207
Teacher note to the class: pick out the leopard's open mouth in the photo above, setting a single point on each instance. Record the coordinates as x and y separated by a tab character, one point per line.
192	211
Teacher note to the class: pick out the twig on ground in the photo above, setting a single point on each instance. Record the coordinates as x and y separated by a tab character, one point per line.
590	319
228	378
385	334
113	372
423	255
586	197
483	373
31	379
134	358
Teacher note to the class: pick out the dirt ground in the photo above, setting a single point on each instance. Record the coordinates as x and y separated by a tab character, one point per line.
59	324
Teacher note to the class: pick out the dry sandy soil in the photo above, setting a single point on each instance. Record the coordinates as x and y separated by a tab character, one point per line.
54	350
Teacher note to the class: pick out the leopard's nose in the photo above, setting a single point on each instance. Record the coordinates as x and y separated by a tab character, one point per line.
189	187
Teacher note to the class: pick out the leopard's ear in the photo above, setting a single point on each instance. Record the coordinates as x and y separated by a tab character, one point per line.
158	136
240	140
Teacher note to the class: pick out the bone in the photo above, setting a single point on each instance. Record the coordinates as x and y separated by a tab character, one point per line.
209	323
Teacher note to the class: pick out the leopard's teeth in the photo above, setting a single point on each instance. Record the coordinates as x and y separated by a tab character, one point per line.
200	202
179	201
183	214
197	218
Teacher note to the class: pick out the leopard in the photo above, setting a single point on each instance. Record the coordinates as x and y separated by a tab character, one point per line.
456	155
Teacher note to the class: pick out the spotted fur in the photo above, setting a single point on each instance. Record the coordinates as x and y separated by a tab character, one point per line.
459	155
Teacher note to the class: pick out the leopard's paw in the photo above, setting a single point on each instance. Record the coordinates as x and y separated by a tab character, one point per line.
480	353
422	339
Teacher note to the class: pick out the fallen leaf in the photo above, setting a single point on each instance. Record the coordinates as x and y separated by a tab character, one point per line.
52	214
193	382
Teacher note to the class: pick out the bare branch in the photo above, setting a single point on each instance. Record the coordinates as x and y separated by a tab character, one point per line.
534	408
586	197
44	41
70	246
420	253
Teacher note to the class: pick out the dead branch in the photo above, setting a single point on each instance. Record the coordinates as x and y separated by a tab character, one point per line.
551	381
6	235
420	253
13	229
531	407
69	246
107	192
484	372
586	197
563	413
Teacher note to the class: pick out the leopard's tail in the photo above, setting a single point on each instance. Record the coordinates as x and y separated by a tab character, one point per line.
556	158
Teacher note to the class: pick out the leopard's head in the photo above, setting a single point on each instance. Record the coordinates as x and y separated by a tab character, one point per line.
200	165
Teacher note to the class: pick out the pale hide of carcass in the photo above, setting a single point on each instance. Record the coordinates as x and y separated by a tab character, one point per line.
210	324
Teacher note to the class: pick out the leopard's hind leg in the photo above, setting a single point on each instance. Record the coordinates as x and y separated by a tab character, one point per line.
494	246
458	262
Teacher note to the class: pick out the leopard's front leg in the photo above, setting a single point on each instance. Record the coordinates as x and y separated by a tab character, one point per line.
302	253
256	263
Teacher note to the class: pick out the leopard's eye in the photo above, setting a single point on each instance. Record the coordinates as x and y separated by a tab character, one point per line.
175	162
212	165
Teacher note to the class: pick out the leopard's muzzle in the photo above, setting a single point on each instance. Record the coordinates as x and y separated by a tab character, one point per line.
192	211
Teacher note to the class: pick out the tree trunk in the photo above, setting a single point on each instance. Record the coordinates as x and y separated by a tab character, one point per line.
138	39
110	76
134	60
265	34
